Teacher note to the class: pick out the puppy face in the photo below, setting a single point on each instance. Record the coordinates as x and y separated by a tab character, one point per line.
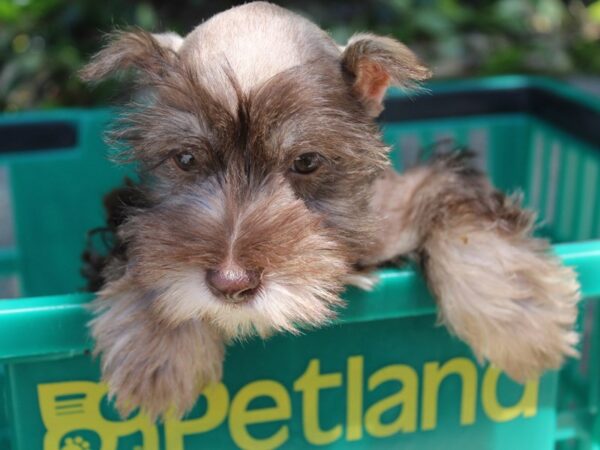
257	192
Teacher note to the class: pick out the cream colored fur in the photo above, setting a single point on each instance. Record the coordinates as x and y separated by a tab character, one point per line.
510	300
243	35
498	288
168	371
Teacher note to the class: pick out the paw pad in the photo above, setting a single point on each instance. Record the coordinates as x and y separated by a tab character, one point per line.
76	443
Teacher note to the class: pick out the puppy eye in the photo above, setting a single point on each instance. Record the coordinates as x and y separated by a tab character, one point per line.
307	163
185	161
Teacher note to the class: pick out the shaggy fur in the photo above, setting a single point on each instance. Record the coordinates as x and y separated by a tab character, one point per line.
498	288
171	367
244	97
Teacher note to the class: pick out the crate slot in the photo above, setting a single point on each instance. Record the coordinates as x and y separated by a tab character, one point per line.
535	186
478	142
570	187
38	136
588	189
552	185
7	232
409	149
9	286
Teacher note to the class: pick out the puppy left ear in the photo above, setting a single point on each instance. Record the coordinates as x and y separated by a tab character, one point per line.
377	62
148	53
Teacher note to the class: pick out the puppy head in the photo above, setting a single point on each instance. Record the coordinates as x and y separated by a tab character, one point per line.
258	151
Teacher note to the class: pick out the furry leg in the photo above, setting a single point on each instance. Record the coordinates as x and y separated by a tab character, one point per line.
497	287
149	364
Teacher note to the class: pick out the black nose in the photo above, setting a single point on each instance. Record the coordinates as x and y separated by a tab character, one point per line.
233	283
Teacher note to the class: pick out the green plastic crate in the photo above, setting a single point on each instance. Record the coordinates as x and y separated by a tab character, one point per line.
383	376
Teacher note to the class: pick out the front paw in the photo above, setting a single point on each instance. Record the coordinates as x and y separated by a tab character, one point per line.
511	302
154	367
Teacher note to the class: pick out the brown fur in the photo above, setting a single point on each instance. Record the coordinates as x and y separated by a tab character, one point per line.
168	370
245	113
498	288
376	62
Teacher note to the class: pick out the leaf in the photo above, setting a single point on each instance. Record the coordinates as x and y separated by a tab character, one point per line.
594	11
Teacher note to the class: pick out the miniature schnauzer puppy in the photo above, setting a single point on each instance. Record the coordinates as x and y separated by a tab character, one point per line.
265	187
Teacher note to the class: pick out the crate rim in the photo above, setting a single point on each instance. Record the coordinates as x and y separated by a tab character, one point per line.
50	314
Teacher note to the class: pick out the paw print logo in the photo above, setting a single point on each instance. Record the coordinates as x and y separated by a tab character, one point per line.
76	443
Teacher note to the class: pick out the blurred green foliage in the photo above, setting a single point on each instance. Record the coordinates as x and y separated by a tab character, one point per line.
44	42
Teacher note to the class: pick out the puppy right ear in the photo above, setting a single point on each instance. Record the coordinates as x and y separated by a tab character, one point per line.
378	62
146	52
